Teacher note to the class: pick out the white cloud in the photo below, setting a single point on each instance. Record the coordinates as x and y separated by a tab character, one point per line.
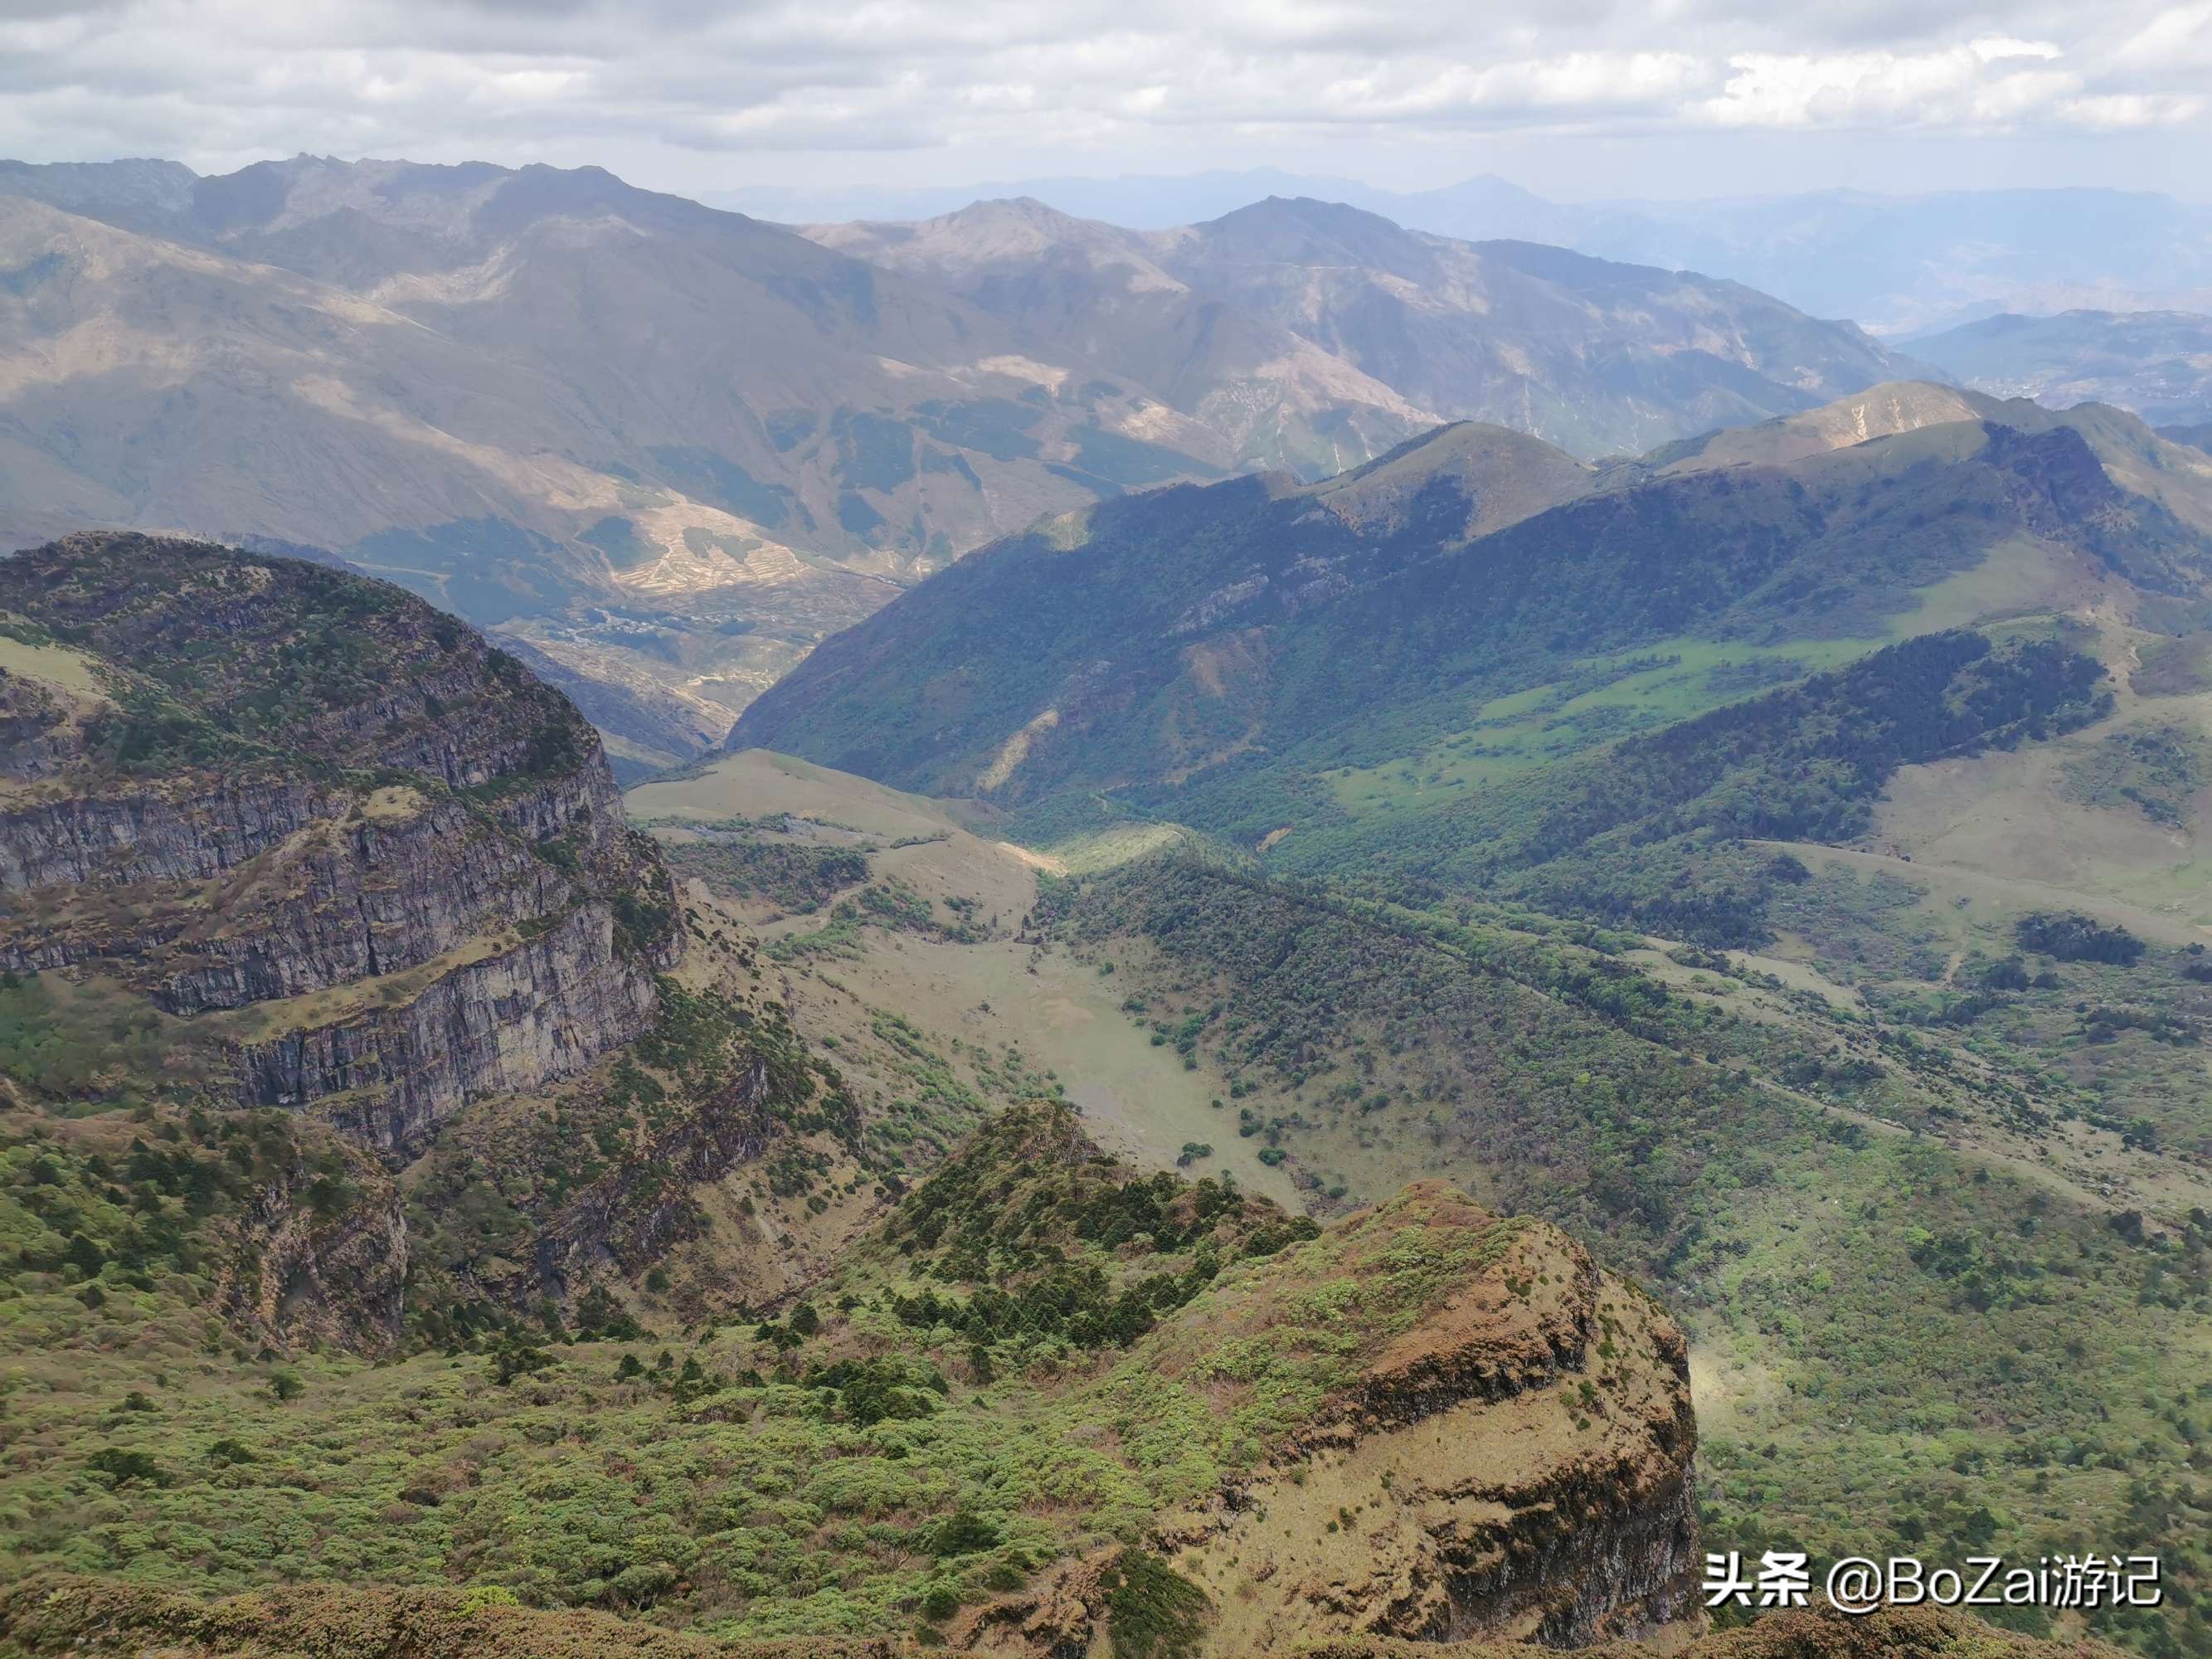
2176	36
1992	48
1962	87
217	83
2116	111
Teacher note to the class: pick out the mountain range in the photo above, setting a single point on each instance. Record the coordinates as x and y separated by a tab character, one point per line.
665	449
1596	357
1359	1033
1902	264
678	443
1251	629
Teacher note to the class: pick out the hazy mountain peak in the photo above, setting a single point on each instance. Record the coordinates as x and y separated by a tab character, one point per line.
1303	229
141	191
1312	210
985	233
2156	362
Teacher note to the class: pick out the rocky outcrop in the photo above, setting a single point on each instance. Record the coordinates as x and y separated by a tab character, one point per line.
1511	1465
34	730
357	848
186	830
544	1009
253	893
1598	1540
1515	1465
629	1217
320	1256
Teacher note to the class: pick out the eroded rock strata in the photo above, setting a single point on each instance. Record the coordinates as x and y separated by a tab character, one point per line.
375	868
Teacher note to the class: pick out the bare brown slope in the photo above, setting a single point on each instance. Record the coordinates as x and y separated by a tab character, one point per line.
1597	357
1594	356
1276	397
542	397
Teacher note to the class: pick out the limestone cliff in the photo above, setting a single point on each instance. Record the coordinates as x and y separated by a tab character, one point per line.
374	868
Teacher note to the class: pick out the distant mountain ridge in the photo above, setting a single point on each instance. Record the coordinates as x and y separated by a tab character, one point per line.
671	446
1267	321
667	449
1198	633
1899	263
2158	363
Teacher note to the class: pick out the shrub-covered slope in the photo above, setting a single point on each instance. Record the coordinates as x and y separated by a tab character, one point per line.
1041	1372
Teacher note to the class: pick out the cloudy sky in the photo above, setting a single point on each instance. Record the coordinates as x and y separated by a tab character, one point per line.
1581	98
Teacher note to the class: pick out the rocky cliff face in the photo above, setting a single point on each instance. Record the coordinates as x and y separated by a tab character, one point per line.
532	1010
320	1254
1534	1439
1512	1466
633	1215
374	868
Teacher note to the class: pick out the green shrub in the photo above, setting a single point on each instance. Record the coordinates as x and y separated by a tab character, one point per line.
1152	1611
963	1533
119	1467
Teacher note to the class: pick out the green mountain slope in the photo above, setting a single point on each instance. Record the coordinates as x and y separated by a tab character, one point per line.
1920	1312
915	1447
1265	632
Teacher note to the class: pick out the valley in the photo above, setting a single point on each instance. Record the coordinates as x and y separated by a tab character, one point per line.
1233	1020
1832	962
994	999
